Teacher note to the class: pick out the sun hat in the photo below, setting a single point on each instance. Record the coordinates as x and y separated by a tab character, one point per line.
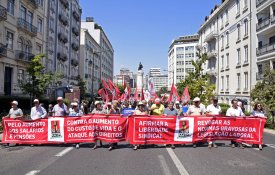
35	100
197	99
14	102
59	99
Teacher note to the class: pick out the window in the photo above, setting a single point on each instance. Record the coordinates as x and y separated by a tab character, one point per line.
29	17
237	7
20	75
28	47
20	44
226	16
222	62
41	2
227	60
245	27
23	12
246	81
227	39
260	68
246	54
10	7
10	40
245	4
39	25
221	20
227	82
238	81
38	48
222	85
222	38
238	56
239	32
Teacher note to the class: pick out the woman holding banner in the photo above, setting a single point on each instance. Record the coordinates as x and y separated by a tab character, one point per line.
98	110
171	111
258	111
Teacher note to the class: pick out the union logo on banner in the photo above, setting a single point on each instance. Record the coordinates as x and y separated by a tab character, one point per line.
55	129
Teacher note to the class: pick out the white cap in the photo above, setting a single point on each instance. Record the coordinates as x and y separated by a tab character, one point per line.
197	99
14	102
157	100
74	104
35	100
140	103
177	102
59	99
109	103
97	102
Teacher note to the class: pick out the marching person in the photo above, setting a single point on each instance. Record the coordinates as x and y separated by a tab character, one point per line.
258	111
98	110
235	111
195	110
213	109
171	111
15	112
37	112
140	111
50	110
60	109
178	108
185	107
157	108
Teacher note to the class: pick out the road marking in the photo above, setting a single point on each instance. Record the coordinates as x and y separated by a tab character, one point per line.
65	151
33	172
270	145
164	165
177	162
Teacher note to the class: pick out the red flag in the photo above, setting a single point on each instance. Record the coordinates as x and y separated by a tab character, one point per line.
105	85
163	97
185	95
173	94
114	90
102	93
142	95
136	95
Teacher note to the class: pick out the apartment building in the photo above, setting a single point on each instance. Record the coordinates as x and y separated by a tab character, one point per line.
90	61
180	55
23	25
265	30
64	40
106	52
227	36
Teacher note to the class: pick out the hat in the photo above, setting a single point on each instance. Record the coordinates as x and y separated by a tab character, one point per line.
197	99
109	103
157	100
36	100
74	104
215	98
177	102
97	102
14	102
140	103
59	99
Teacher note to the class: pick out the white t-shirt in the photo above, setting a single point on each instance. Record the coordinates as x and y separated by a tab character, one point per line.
234	112
15	113
38	112
60	110
211	109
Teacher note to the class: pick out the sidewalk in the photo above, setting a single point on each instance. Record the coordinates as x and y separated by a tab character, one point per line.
1	137
270	131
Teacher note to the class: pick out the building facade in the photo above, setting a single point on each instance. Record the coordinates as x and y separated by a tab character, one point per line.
106	52
64	40
180	55
227	36
154	72
23	26
89	62
265	29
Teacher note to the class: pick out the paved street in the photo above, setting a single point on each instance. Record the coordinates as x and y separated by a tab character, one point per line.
65	159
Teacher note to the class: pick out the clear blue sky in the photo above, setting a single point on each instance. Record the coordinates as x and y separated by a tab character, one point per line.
142	30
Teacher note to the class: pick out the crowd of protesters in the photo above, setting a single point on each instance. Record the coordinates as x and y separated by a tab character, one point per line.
127	108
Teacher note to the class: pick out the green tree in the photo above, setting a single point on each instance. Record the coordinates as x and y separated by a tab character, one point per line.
121	88
264	93
162	91
37	80
82	87
198	83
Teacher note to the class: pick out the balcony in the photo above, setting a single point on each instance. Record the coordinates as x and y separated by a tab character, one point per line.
63	38
65	3
212	54
259	76
27	27
33	3
75	31
3	13
265	49
263	24
76	16
3	50
213	35
75	47
23	56
260	2
63	19
74	62
62	56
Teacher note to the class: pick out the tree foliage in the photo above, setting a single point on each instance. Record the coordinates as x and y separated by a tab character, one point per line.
198	83
37	80
162	91
121	88
82	87
264	93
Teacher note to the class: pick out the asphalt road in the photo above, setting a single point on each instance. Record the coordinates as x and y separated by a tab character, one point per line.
152	160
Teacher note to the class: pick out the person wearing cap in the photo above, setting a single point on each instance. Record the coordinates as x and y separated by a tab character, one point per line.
213	110
98	110
157	108
140	111
60	109
195	110
178	108
38	112
235	111
15	112
75	111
